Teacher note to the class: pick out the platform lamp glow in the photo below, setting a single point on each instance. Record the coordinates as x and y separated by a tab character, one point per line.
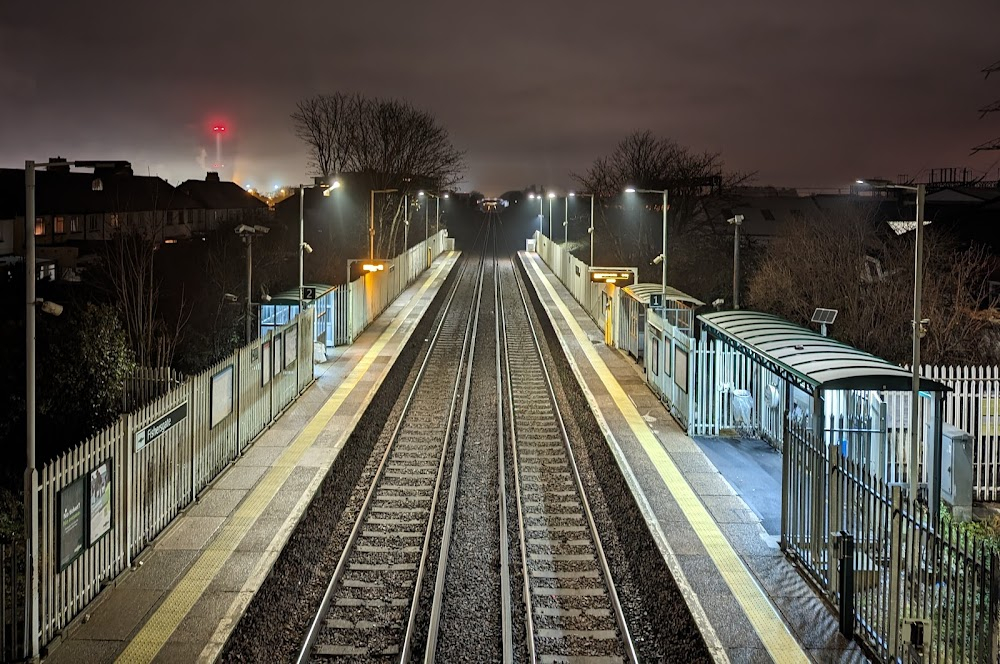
662	258
918	323
303	247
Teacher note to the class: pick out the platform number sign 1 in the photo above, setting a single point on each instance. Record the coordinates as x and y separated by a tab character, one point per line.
308	292
656	300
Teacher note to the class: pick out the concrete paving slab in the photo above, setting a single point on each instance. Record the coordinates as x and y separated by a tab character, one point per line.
115	621
159	570
240	477
91	651
191	532
220	502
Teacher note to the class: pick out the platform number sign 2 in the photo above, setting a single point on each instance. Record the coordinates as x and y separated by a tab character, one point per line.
308	293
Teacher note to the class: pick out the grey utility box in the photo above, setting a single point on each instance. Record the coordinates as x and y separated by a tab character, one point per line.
956	474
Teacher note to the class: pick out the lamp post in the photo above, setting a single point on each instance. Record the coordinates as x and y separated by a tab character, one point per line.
303	247
736	221
437	219
541	215
590	229
918	260
552	196
30	471
662	258
247	233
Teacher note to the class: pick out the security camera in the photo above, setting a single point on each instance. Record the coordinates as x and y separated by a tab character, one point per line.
51	308
590	230
718	303
565	223
306	248
738	219
261	229
243	229
229	297
658	260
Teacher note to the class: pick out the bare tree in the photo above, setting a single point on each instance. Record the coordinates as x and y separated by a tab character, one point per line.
327	124
129	268
395	145
846	261
632	226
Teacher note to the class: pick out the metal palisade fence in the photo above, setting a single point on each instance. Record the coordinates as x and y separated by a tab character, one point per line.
909	585
360	302
101	503
575	276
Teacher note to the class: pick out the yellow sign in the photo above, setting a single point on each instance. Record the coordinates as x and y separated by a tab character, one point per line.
614	276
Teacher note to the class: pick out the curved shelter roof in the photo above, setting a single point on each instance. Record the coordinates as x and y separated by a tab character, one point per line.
642	291
291	297
807	357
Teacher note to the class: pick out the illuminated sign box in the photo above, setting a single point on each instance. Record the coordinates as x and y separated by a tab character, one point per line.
611	275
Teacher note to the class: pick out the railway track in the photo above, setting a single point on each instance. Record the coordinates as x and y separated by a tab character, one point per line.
368	610
571	607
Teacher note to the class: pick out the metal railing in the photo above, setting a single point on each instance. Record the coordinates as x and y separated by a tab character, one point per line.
911	586
102	502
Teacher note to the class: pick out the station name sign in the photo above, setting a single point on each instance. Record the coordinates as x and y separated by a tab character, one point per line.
611	275
147	435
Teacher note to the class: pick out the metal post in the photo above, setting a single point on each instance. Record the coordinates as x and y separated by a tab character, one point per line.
895	555
591	230
566	223
30	472
371	228
427	244
302	242
550	217
437	215
666	205
915	387
249	239
846	558
541	217
736	266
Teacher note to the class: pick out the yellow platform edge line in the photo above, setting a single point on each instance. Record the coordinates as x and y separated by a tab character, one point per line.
760	611
168	616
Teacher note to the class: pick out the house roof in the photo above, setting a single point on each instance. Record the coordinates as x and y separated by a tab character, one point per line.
216	195
807	357
74	193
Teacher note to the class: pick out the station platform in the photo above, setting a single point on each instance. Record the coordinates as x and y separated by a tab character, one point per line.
747	598
191	586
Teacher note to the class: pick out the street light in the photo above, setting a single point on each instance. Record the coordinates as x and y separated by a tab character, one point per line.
247	233
736	221
590	229
302	240
541	215
918	323
552	196
666	204
31	302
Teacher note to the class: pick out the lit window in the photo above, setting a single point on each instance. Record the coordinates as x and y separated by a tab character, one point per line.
74	224
39	226
60	224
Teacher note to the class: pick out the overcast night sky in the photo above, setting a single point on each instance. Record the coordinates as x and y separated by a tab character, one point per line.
807	94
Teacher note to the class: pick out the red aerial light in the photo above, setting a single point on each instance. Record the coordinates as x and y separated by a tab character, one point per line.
218	128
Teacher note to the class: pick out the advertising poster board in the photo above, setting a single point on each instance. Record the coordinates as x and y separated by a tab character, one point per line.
222	395
265	363
71	522
291	345
276	351
101	498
